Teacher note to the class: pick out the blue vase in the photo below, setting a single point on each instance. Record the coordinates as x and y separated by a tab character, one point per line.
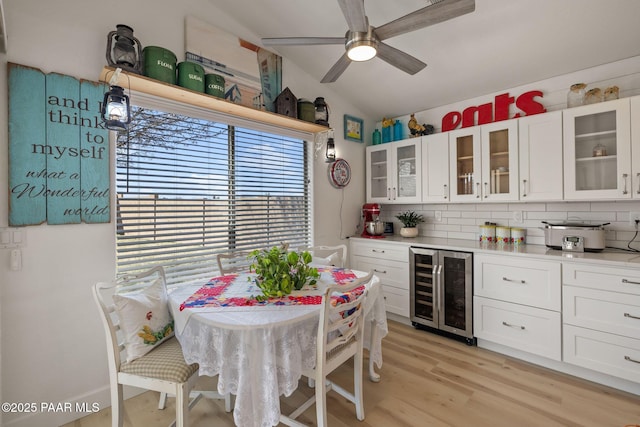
397	131
386	134
377	138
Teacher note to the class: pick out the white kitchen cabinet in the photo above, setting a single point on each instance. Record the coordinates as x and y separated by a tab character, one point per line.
601	319
540	157
635	146
390	263
435	168
517	303
597	151
394	172
483	162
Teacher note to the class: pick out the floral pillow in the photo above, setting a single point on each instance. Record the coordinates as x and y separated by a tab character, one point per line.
145	319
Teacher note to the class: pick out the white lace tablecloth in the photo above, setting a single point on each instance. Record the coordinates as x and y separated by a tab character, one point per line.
258	353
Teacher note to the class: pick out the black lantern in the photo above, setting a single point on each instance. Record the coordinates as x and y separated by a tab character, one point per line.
331	150
116	110
322	111
127	52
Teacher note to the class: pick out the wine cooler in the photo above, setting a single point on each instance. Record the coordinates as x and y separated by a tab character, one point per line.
442	291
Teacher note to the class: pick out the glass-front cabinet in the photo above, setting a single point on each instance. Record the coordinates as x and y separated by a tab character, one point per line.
394	172
483	162
597	151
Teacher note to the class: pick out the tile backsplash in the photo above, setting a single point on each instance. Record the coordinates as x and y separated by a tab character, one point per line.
461	221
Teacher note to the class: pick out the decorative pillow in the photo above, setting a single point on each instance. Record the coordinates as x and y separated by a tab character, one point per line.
330	260
144	318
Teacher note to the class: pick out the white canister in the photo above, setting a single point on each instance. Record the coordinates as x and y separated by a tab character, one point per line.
487	233
503	235
517	236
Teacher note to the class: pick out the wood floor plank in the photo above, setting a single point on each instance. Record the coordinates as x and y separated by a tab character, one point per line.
429	380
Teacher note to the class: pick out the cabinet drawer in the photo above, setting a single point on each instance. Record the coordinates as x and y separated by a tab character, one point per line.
396	300
535	283
614	279
602	352
602	310
390	273
380	250
524	328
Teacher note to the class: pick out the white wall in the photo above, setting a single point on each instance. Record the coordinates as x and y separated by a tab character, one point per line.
51	340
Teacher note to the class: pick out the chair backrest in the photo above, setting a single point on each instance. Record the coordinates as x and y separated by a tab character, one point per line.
333	255
103	296
233	262
341	326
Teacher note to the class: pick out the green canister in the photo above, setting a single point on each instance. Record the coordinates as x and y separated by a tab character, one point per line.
191	76
306	111
159	64
214	85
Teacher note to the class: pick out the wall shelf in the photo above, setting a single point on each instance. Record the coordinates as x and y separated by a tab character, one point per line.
154	87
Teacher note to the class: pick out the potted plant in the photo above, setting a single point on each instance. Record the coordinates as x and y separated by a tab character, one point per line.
410	221
278	272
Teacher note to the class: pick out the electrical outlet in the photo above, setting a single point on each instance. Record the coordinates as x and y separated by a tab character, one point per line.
517	216
633	217
438	215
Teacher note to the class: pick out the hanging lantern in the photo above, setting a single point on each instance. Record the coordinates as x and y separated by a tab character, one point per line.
322	111
116	110
127	52
331	150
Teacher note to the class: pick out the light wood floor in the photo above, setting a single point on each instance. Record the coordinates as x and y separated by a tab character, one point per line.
428	380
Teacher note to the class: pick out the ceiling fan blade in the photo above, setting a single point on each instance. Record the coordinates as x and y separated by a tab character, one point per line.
353	11
302	41
429	15
399	59
337	69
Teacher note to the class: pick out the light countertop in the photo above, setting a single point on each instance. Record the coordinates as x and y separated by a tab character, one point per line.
609	257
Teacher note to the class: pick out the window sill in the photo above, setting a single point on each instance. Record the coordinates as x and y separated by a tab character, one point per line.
154	87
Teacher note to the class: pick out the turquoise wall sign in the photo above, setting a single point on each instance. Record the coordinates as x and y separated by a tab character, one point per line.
58	150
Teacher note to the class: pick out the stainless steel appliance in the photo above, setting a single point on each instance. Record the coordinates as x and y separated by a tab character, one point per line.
442	291
574	237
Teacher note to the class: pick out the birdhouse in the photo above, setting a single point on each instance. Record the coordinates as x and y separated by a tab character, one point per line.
287	104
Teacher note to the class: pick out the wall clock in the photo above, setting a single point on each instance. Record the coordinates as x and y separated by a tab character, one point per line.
339	173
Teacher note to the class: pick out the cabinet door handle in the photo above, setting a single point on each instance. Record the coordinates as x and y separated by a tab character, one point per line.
377	251
513	326
477	190
485	190
631	316
394	193
388	193
624	183
524	188
444	192
506	279
638	176
631	360
630	281
380	271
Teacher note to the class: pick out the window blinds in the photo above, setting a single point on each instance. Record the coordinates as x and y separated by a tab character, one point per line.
189	188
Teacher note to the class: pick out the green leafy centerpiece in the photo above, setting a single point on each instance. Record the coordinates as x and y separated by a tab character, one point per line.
410	221
279	272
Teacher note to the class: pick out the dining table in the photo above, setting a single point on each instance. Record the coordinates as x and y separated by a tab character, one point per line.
258	348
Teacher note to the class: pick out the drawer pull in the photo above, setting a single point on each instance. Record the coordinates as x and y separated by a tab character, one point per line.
380	271
506	279
630	281
377	251
631	360
513	326
631	316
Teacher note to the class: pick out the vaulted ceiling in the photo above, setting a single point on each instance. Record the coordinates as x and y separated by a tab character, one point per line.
502	44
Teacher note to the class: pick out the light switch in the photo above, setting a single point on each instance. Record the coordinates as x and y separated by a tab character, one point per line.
16	260
17	236
5	237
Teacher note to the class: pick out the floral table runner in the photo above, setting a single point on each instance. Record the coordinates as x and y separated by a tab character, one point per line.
218	292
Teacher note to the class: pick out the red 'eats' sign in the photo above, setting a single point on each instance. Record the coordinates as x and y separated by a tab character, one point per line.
494	112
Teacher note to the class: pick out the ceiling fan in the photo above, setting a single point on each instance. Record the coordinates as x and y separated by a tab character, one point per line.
363	41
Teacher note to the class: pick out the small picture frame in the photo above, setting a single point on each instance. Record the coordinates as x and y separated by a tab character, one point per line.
353	128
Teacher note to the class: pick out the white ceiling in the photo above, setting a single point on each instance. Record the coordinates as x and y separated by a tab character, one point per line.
502	44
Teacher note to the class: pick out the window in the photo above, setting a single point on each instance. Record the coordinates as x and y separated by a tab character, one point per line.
189	188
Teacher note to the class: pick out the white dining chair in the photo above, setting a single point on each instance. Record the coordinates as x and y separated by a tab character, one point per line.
232	262
328	255
163	368
340	338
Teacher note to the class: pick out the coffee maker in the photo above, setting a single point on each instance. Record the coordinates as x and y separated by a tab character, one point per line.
371	214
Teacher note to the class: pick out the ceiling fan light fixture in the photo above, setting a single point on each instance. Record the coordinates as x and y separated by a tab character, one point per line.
363	50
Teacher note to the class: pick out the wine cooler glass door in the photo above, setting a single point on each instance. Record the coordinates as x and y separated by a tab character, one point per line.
456	293
424	267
